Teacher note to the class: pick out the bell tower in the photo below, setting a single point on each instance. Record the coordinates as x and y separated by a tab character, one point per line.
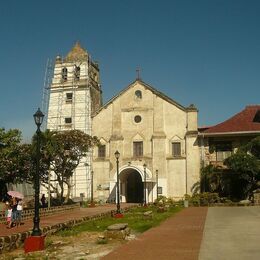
75	91
74	96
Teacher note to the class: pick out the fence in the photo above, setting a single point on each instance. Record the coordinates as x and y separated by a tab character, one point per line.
29	213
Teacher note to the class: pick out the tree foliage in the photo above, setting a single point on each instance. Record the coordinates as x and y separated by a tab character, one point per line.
15	158
61	153
11	156
245	164
240	177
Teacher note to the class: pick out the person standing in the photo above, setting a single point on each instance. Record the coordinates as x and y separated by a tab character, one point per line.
14	210
9	216
43	200
19	212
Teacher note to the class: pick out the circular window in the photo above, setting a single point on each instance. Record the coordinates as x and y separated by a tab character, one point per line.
138	94
138	119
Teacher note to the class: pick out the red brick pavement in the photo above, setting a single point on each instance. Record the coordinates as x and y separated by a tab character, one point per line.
60	218
179	237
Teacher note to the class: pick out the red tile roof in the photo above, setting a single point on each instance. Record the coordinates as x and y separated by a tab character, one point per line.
244	121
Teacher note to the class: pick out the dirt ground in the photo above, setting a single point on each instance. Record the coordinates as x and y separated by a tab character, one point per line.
86	245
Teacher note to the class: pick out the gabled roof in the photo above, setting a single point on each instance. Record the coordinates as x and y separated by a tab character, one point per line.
154	91
77	53
245	121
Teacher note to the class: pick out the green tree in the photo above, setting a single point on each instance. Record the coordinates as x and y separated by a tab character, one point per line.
253	147
239	178
214	179
61	153
15	160
246	167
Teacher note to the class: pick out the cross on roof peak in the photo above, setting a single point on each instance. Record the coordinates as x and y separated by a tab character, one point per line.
138	72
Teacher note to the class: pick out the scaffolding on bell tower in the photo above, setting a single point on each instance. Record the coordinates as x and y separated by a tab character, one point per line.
46	91
69	87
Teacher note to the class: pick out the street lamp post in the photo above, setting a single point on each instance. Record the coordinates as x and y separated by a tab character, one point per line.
157	184
36	241
145	205
38	118
118	211
92	204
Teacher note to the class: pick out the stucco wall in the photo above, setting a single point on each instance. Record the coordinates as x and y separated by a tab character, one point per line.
162	122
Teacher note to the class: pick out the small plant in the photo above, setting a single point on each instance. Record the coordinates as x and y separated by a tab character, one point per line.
102	241
203	199
161	200
48	242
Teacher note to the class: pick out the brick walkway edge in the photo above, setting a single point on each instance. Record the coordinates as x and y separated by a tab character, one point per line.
179	237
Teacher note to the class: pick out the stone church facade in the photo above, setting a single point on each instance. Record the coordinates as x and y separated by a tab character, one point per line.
155	136
147	128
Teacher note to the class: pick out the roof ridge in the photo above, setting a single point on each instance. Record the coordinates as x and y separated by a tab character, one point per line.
152	89
241	121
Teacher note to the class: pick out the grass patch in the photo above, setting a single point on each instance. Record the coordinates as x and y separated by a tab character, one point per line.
134	218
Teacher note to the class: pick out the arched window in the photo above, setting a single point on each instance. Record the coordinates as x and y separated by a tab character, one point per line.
138	94
64	74
77	73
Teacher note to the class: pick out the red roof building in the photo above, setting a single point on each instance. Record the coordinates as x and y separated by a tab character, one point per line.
220	141
245	122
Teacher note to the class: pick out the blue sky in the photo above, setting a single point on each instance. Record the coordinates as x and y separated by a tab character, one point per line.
202	52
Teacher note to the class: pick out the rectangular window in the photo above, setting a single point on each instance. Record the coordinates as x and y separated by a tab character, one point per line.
69	97
223	151
68	120
176	149
138	149
102	151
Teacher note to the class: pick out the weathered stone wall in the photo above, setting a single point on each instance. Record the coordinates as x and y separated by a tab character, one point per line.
11	242
162	122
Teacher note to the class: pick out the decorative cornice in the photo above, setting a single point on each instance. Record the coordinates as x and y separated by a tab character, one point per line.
160	135
116	138
195	133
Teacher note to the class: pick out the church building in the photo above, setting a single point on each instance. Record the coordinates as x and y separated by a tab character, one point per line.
156	137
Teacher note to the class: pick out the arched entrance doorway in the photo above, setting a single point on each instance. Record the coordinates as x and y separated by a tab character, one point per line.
131	184
132	187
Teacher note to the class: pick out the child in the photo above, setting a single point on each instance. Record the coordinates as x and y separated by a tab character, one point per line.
9	216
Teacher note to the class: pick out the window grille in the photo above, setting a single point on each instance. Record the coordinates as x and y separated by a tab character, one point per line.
138	149
101	151
176	149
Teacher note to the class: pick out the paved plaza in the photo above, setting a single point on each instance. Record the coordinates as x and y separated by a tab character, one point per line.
194	233
179	237
61	218
231	233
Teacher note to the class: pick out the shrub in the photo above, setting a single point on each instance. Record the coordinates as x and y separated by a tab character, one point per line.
203	199
161	200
